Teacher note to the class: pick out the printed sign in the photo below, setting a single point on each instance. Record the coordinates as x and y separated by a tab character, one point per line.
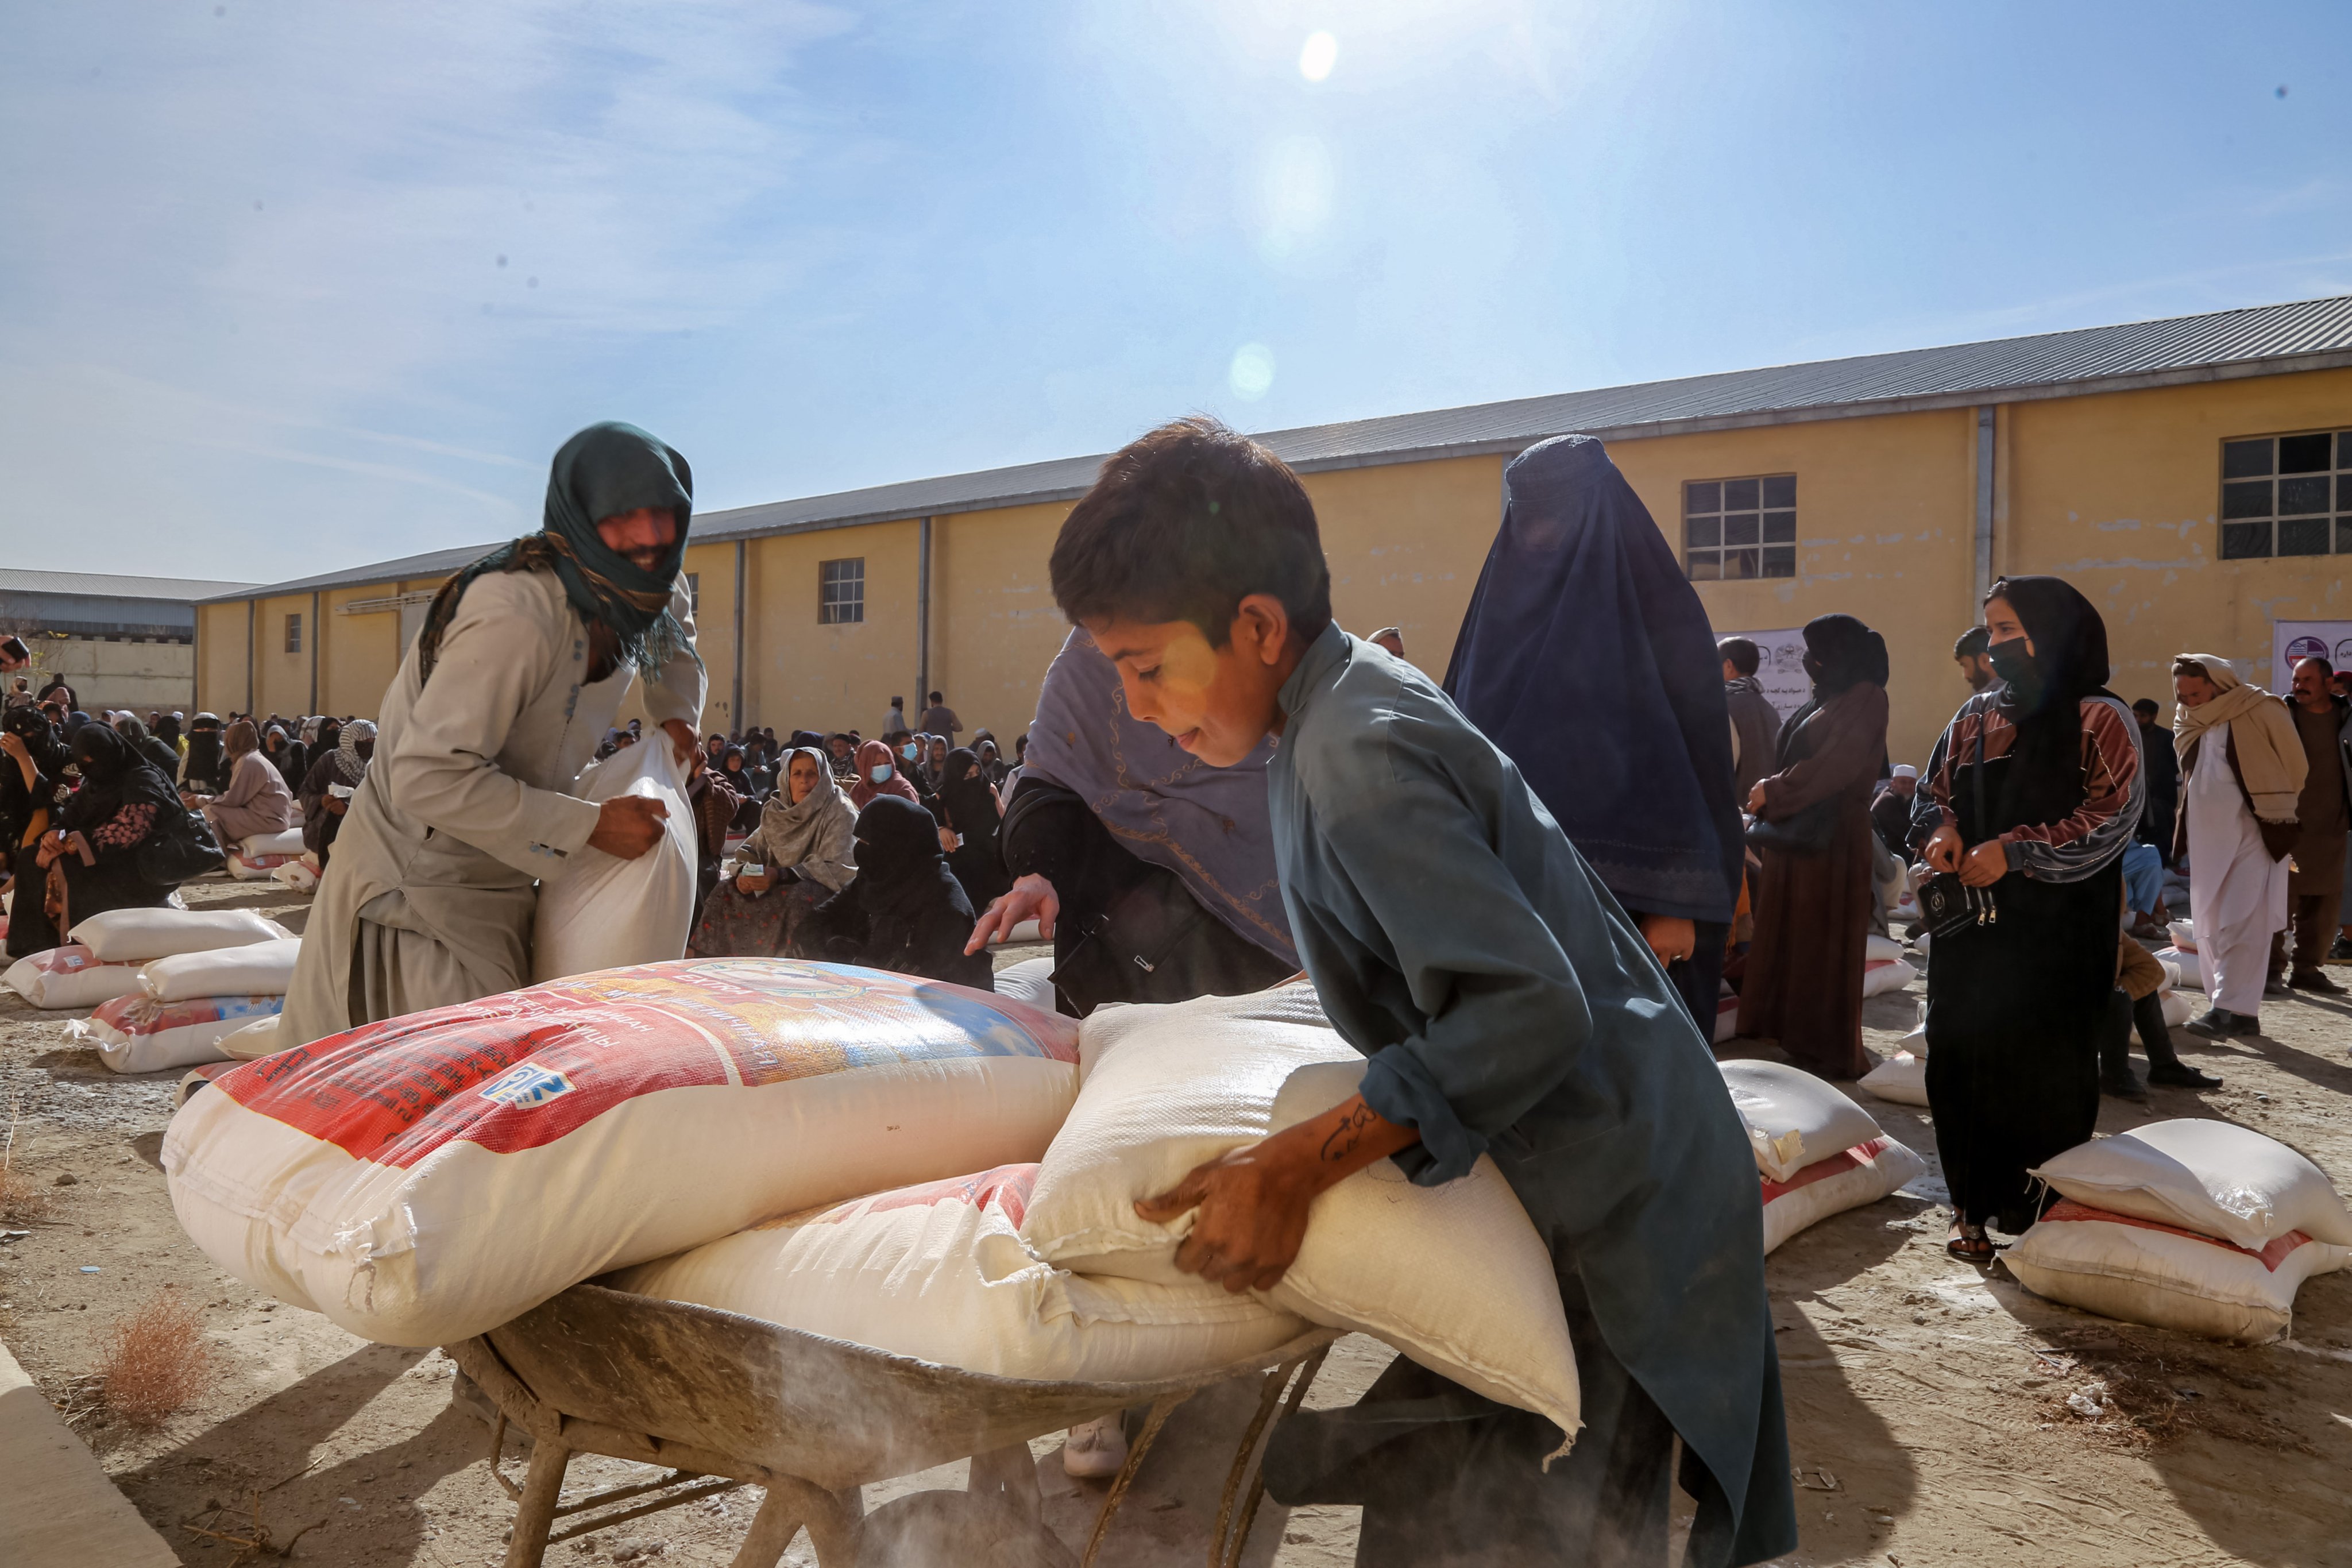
1781	669
2292	640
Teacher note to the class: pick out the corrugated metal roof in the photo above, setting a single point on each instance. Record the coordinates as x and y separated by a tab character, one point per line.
432	564
2263	339
99	584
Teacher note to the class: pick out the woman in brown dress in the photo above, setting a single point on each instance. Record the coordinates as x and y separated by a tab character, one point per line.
1812	903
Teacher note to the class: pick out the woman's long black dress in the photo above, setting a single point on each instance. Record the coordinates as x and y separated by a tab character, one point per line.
2014	1010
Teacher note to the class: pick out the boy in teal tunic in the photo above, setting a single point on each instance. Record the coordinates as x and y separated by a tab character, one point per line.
1507	1007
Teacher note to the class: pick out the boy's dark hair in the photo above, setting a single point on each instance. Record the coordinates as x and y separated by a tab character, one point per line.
1183	525
933	698
1742	655
1976	639
2145	705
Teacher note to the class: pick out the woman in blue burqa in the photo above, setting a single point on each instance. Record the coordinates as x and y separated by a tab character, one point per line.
1587	659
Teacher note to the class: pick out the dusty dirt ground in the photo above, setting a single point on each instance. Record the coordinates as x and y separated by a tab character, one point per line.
1926	1399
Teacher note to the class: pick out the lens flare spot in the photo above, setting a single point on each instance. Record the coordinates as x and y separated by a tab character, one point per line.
1318	55
1253	372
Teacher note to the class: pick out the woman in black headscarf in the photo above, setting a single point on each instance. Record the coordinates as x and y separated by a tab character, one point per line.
151	747
736	775
905	912
123	804
1587	657
1814	897
34	782
332	781
205	769
2038	786
286	755
968	810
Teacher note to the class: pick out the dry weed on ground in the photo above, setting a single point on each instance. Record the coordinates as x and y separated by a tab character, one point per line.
156	1361
2132	1398
20	1197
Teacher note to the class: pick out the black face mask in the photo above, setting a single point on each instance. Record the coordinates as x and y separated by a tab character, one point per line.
2015	666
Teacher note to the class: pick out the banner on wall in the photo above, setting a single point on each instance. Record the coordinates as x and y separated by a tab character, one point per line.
1781	669
2292	640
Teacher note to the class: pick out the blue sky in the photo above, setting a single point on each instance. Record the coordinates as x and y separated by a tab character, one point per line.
292	287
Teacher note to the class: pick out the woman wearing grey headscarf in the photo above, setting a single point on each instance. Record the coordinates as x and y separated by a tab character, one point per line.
327	787
1151	872
802	853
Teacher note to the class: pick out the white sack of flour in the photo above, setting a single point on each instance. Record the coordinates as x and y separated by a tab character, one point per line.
604	912
426	1178
939	1272
1454	1277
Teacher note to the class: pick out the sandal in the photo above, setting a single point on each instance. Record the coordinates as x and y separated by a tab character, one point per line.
1969	1244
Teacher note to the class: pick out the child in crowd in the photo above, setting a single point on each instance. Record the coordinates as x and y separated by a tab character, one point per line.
1507	1007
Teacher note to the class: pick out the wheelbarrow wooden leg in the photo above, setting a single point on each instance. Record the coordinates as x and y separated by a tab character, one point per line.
1153	1422
1008	1474
535	1514
772	1529
831	1518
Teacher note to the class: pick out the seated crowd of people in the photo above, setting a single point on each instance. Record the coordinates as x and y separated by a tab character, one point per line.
114	811
800	890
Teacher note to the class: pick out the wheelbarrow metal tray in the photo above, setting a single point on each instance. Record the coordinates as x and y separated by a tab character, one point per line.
788	1401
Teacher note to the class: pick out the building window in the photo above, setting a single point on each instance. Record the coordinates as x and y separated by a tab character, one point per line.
840	592
2287	495
293	633
693	591
1740	528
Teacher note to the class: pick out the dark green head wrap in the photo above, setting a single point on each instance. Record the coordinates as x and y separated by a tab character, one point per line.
605	469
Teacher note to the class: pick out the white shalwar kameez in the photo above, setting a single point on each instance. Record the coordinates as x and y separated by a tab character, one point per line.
467	808
2237	893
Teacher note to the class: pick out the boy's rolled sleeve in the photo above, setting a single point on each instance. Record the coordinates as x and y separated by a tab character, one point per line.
1397	1087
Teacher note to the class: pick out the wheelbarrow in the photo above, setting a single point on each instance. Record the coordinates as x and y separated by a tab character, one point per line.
726	1401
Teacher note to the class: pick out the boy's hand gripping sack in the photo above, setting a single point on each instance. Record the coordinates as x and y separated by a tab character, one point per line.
1455	1276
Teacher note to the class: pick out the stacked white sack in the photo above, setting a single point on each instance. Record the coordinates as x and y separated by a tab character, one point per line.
2204	1226
1817	1152
398	1178
2188	966
1901	1078
1030	981
134	936
70	976
1455	1277
288	841
1883	967
940	1273
261	969
101	958
138	1033
604	912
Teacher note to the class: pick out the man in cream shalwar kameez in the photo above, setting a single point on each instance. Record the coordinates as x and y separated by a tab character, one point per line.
430	898
2237	888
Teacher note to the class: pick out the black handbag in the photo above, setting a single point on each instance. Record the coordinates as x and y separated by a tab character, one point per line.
180	848
1808	832
1947	904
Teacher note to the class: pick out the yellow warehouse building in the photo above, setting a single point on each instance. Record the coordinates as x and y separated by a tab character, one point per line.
2192	476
